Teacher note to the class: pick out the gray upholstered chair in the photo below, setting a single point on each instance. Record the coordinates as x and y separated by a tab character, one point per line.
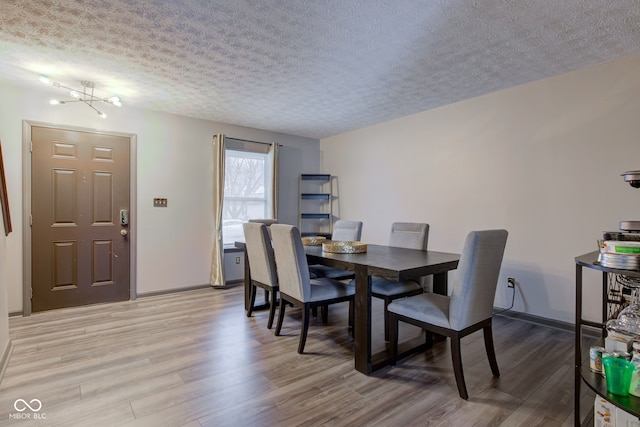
261	265
265	221
343	231
403	235
296	286
346	231
468	309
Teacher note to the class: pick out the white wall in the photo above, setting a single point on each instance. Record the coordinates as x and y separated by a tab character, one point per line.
542	160
174	161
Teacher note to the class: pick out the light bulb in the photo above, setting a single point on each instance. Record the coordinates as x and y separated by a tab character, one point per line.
54	102
74	94
103	115
44	80
115	101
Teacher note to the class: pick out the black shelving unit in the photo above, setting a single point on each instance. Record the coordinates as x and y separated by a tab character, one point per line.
315	205
612	303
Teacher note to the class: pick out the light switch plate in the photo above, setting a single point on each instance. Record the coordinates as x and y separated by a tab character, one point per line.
159	203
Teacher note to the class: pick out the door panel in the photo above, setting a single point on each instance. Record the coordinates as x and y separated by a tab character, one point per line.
80	182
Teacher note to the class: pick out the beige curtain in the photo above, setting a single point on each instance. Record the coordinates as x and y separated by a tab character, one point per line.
217	259
274	153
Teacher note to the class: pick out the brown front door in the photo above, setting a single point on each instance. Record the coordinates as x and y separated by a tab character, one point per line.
79	188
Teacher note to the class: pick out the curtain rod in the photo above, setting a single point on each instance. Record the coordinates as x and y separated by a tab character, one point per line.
253	142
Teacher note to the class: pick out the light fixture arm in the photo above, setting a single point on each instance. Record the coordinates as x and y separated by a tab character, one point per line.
83	96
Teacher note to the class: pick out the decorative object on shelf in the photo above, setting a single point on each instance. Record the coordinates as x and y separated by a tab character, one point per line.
85	95
345	247
627	322
618	373
313	240
621	249
621	254
633	178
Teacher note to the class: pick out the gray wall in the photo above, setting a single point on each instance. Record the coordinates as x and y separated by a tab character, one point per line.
174	160
542	160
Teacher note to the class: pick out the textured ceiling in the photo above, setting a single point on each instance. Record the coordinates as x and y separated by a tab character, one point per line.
313	68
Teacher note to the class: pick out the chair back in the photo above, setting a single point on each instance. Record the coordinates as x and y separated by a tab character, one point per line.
260	253
409	235
265	221
347	231
291	260
475	280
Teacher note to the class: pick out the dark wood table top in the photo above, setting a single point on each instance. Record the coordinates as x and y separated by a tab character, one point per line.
388	261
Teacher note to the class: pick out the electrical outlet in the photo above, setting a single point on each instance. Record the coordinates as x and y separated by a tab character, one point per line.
159	202
237	260
511	282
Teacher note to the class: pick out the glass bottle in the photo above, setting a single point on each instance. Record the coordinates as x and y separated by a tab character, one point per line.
629	318
628	321
634	388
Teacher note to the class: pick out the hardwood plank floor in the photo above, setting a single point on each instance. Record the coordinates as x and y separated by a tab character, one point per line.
195	359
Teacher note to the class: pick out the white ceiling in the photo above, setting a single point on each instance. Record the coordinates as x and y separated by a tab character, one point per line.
312	68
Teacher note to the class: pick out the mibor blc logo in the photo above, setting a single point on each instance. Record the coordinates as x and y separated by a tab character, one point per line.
27	410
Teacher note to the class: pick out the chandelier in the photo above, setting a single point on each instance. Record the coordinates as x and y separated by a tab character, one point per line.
85	95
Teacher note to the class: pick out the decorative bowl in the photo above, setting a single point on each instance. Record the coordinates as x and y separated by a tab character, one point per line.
313	240
344	247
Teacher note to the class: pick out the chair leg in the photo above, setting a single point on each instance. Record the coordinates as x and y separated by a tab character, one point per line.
283	304
304	329
428	339
387	300
272	309
324	312
491	353
393	337
252	298
456	357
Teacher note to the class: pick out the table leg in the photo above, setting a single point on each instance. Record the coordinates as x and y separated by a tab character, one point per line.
440	283
362	320
441	287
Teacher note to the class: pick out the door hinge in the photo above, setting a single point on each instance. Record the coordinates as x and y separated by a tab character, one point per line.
31	146
31	293
30	220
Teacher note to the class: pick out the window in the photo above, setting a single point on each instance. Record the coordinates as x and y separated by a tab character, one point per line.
247	186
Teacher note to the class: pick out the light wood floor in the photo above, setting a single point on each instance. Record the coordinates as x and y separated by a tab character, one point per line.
195	359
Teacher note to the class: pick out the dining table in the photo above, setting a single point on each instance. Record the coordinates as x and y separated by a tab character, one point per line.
389	262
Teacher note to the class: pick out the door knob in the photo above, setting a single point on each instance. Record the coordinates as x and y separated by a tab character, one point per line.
124	231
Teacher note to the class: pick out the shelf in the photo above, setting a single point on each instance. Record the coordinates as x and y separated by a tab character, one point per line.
315	196
315	177
598	384
610	306
315	216
315	204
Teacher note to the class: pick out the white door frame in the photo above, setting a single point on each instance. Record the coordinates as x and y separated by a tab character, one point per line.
26	203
